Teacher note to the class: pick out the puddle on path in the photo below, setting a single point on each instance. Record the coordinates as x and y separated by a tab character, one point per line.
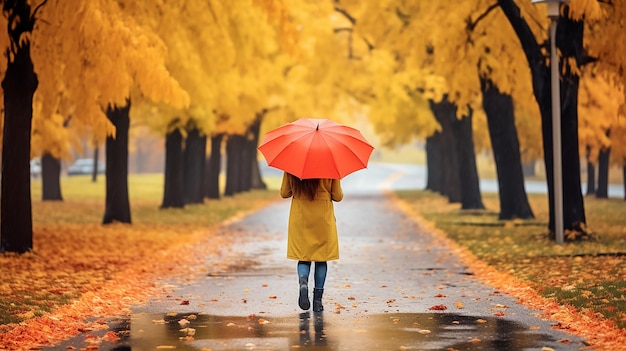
327	331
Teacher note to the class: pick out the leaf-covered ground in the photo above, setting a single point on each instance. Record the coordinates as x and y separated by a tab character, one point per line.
81	268
580	284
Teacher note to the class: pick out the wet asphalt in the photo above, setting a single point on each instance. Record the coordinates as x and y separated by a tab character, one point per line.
395	287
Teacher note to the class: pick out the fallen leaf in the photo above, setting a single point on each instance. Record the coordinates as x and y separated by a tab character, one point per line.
438	308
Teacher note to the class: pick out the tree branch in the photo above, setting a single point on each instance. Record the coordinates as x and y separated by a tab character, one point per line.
32	17
346	14
471	25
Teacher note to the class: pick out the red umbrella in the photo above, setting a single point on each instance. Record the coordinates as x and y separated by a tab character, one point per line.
316	148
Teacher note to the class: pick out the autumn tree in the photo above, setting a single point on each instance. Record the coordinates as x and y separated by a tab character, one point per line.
412	71
569	42
602	103
599	105
19	85
91	56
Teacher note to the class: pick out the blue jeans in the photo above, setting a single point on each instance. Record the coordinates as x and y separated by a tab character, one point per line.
321	268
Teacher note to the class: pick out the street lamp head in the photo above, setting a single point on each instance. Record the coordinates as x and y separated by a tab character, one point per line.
553	6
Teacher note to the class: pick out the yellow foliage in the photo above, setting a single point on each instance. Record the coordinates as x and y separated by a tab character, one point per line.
598	116
89	55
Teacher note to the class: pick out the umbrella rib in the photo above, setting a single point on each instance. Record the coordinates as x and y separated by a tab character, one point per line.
350	149
323	138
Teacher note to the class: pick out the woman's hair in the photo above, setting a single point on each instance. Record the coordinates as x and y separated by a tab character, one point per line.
306	188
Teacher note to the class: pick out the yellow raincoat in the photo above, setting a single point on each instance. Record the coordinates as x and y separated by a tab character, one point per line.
312	234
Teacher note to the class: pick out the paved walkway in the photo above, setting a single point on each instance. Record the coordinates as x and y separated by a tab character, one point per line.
396	287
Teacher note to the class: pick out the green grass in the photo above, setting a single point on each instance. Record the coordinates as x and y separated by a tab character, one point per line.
84	202
588	275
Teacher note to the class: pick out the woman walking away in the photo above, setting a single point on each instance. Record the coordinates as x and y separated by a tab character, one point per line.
312	234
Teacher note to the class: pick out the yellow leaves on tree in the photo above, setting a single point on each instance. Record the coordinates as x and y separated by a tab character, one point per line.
89	55
317	79
225	59
598	105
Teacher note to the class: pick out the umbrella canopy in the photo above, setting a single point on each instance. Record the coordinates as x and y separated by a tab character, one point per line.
316	148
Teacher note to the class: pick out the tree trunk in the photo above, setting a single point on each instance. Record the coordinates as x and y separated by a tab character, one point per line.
569	42
117	203
624	180
245	163
233	165
505	144
214	166
434	163
471	198
591	175
94	173
603	174
19	85
445	112
193	173
50	178
256	181
173	184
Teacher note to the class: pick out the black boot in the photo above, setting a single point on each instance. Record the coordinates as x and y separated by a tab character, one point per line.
303	300
317	300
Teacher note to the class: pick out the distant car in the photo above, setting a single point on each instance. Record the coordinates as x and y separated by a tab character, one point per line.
35	167
84	166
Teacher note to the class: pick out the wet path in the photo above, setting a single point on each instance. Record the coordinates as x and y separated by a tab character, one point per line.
394	288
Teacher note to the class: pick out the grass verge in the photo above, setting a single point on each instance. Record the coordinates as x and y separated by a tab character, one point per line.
590	276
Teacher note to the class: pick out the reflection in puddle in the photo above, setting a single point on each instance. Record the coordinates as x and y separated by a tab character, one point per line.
316	331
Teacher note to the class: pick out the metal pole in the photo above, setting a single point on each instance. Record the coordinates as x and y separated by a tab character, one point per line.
557	162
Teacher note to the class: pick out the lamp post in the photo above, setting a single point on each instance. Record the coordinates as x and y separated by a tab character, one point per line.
557	159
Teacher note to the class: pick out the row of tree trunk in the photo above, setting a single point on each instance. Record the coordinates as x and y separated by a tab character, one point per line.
191	176
451	159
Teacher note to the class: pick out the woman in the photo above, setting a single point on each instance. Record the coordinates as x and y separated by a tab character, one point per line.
312	234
